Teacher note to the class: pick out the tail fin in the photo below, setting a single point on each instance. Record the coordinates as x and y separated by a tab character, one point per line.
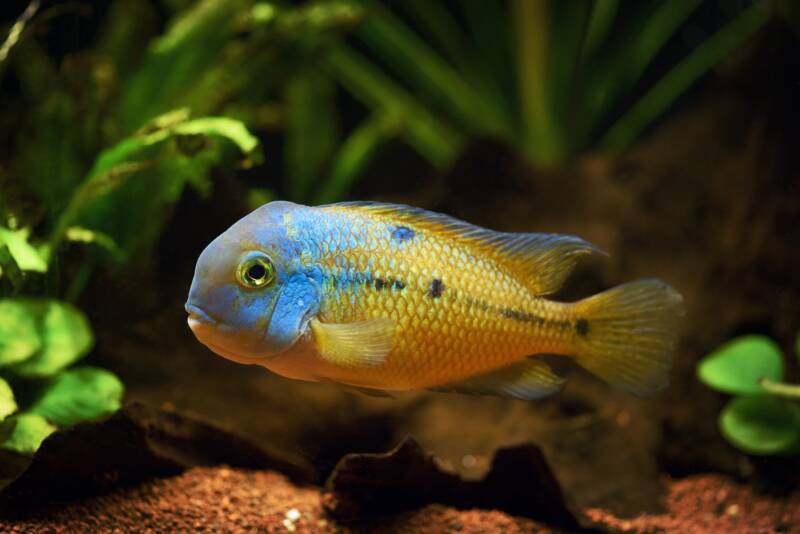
627	334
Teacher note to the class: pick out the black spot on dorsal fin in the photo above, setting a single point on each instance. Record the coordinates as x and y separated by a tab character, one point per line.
403	233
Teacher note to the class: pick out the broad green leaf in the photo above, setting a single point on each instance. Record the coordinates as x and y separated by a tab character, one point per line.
7	403
79	395
737	366
116	165
64	334
26	256
761	425
30	430
19	335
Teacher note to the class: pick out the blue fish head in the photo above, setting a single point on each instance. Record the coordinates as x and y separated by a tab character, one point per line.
251	297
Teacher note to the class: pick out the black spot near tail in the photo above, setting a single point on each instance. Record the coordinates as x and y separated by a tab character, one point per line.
582	327
436	288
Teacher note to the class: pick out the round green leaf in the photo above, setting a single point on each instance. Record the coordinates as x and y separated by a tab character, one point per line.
761	425
737	366
65	337
79	395
7	403
19	337
29	432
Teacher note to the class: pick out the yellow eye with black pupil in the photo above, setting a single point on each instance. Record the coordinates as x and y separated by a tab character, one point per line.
256	272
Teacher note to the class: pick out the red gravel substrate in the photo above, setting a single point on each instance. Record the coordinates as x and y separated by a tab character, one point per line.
231	500
711	504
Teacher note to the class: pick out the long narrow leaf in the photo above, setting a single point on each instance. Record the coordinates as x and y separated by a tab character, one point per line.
311	130
688	71
634	50
600	21
404	52
354	156
532	30
434	18
491	66
432	138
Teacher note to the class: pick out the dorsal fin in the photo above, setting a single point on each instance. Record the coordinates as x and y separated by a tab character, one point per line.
542	261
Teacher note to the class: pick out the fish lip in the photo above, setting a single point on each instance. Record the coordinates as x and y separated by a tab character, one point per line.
199	315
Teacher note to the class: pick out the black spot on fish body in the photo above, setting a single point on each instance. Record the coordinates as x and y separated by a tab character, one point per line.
380	283
522	316
398	285
403	233
582	327
436	288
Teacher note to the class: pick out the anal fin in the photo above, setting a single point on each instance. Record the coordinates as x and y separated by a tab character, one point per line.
526	380
356	344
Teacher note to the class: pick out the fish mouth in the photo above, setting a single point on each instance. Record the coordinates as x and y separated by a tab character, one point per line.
198	316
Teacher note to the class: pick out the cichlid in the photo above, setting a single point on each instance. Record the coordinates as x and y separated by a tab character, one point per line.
389	297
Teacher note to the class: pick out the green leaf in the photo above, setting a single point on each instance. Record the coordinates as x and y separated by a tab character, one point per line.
26	256
19	335
737	366
7	403
432	138
354	155
64	333
30	430
658	99
230	129
408	55
311	131
79	395
761	425
114	166
79	234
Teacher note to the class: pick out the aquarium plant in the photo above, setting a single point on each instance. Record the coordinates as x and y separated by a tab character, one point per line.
764	415
552	79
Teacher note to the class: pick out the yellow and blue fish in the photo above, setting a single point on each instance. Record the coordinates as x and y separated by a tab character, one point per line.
390	297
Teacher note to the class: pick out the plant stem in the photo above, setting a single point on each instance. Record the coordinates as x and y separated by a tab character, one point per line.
781	389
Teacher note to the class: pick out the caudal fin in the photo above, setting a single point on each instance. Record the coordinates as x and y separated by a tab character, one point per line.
627	335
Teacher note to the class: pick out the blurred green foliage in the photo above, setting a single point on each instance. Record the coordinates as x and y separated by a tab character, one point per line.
764	416
99	141
551	78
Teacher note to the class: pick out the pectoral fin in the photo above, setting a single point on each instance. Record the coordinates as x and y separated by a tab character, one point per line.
357	344
526	380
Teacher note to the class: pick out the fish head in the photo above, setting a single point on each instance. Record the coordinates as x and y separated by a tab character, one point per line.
249	299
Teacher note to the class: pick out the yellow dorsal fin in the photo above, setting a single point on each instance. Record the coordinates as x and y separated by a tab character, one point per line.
542	261
526	380
357	344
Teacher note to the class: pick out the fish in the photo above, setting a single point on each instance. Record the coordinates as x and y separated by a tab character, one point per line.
385	298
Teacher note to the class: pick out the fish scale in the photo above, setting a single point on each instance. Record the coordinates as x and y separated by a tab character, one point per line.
437	340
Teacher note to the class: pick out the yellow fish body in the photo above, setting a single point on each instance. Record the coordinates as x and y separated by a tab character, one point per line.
390	297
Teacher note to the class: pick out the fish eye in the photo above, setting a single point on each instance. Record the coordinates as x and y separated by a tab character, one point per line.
256	271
